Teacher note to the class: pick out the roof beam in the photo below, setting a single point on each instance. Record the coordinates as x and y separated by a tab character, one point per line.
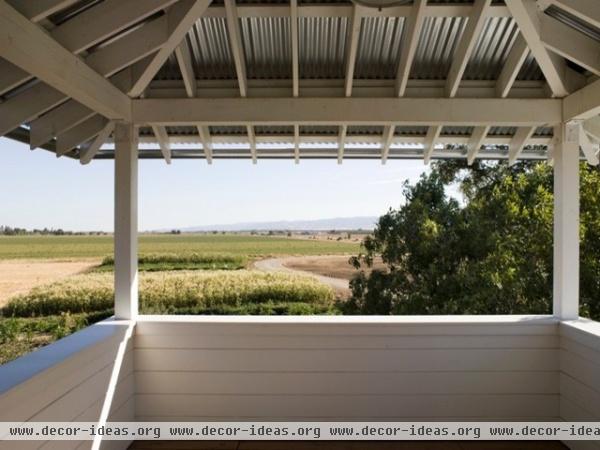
518	142
235	44
341	143
466	46
410	41
433	134
295	48
181	17
587	147
78	135
386	142
38	10
475	142
30	48
553	66
297	144
583	104
352	47
162	137
570	43
348	111
325	9
61	118
586	10
88	151
207	146
516	57
184	60
88	28
252	142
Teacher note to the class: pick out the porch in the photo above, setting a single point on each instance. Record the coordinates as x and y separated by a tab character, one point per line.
506	80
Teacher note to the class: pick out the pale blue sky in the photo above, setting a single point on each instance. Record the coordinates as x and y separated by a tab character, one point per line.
38	190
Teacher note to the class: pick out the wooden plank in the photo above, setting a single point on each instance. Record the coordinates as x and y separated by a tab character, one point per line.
348	342
322	407
81	133
352	47
235	43
580	368
580	394
88	152
340	383
414	23
512	66
347	360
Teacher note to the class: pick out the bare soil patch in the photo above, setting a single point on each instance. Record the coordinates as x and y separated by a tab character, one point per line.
18	276
328	266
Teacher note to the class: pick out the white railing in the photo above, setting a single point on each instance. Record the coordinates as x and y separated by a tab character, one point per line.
320	368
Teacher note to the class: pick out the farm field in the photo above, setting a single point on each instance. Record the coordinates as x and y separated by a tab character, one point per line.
48	247
65	283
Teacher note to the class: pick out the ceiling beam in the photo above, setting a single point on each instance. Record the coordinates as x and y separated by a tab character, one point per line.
348	111
352	47
570	43
341	143
583	104
61	118
207	145
38	10
329	9
586	10
467	43
162	137
295	48
588	148
29	47
181	18
184	60
431	139
553	66
514	62
87	29
475	142
386	142
297	144
78	135
89	150
410	40
252	142
235	44
518	142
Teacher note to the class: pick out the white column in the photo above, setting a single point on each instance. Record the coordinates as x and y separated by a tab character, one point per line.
126	247
566	221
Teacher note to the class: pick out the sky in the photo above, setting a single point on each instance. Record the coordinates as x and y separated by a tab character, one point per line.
38	190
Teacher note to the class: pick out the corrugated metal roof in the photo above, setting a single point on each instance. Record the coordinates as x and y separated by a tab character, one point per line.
267	47
322	46
379	46
491	49
437	43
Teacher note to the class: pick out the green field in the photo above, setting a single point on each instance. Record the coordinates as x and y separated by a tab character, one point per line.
33	247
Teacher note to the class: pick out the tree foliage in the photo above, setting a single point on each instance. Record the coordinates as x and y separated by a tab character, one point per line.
490	253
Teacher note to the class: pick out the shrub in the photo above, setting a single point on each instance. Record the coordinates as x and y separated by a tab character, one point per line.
218	292
180	261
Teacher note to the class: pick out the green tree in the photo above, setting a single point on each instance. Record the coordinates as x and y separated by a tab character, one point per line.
489	254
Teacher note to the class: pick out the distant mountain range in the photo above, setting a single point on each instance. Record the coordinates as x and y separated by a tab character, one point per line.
338	223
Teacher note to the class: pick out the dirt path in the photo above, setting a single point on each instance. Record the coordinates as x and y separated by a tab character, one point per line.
18	276
305	265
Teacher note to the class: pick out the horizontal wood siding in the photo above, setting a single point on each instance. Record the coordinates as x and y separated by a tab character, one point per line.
580	376
73	387
204	370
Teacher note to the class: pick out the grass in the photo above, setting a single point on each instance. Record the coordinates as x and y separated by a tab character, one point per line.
171	261
23	335
247	246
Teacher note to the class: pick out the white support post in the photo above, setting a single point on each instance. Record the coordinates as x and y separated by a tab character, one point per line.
566	222
126	246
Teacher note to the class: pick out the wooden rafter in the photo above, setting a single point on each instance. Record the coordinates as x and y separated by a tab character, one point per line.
386	142
433	134
409	46
352	48
475	142
235	43
516	57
